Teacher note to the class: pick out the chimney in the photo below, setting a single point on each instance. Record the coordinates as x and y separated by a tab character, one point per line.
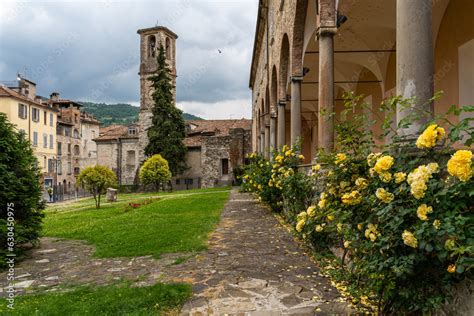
27	87
54	96
38	99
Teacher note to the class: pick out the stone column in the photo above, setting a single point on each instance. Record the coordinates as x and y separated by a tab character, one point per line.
327	29
267	141
415	60
262	141
295	108
273	121
281	134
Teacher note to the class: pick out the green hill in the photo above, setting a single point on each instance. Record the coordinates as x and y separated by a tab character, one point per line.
120	113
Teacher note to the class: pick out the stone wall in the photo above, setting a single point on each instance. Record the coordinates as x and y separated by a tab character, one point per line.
129	160
234	147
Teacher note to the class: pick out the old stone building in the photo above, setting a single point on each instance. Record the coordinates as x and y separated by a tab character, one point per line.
150	41
76	149
117	148
215	148
307	54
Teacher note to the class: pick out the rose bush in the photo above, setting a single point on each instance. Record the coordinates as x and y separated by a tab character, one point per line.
403	214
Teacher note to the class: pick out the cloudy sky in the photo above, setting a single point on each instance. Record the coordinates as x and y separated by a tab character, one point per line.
89	50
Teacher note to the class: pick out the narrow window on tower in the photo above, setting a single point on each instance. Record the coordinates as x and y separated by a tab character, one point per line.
151	46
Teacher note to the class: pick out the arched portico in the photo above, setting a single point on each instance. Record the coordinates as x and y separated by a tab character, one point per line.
315	57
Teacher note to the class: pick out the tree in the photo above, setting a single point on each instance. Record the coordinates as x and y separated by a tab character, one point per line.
22	207
96	180
155	171
168	129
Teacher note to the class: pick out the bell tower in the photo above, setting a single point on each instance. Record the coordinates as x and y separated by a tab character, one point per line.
150	41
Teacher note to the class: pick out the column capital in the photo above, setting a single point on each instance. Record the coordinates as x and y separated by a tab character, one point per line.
326	30
298	78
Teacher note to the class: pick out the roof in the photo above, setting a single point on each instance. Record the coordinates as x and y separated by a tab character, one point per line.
157	28
113	132
259	31
7	92
219	128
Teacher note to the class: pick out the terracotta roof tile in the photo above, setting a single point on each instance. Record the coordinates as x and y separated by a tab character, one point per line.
202	128
113	132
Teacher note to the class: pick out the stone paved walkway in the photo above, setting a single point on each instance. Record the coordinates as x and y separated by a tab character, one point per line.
252	267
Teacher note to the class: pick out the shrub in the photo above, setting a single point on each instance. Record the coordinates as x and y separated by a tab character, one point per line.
96	180
20	189
404	214
155	171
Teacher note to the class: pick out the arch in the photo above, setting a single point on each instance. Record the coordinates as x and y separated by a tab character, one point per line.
267	101
298	38
151	45
284	64
274	88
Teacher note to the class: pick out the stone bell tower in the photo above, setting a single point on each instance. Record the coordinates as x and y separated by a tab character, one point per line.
150	40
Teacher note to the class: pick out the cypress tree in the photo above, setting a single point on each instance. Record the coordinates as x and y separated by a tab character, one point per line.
168	129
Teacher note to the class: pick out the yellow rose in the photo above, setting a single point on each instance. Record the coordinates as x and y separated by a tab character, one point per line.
400	177
432	167
383	164
385	177
422	211
347	244
318	228
302	216
340	158
301	157
451	268
371	232
460	165
409	239
361	183
339	227
316	167
330	217
430	136
279	159
372	237
352	198
311	211
300	226
384	195
359	226
372	159
437	224
288	153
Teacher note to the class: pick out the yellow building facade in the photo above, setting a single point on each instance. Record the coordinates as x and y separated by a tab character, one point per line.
37	120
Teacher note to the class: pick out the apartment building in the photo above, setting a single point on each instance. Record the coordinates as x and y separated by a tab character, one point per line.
34	118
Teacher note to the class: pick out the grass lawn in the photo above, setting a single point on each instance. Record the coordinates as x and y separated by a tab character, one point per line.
178	222
106	300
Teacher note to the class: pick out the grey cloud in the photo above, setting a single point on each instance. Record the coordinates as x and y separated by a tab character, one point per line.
89	50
